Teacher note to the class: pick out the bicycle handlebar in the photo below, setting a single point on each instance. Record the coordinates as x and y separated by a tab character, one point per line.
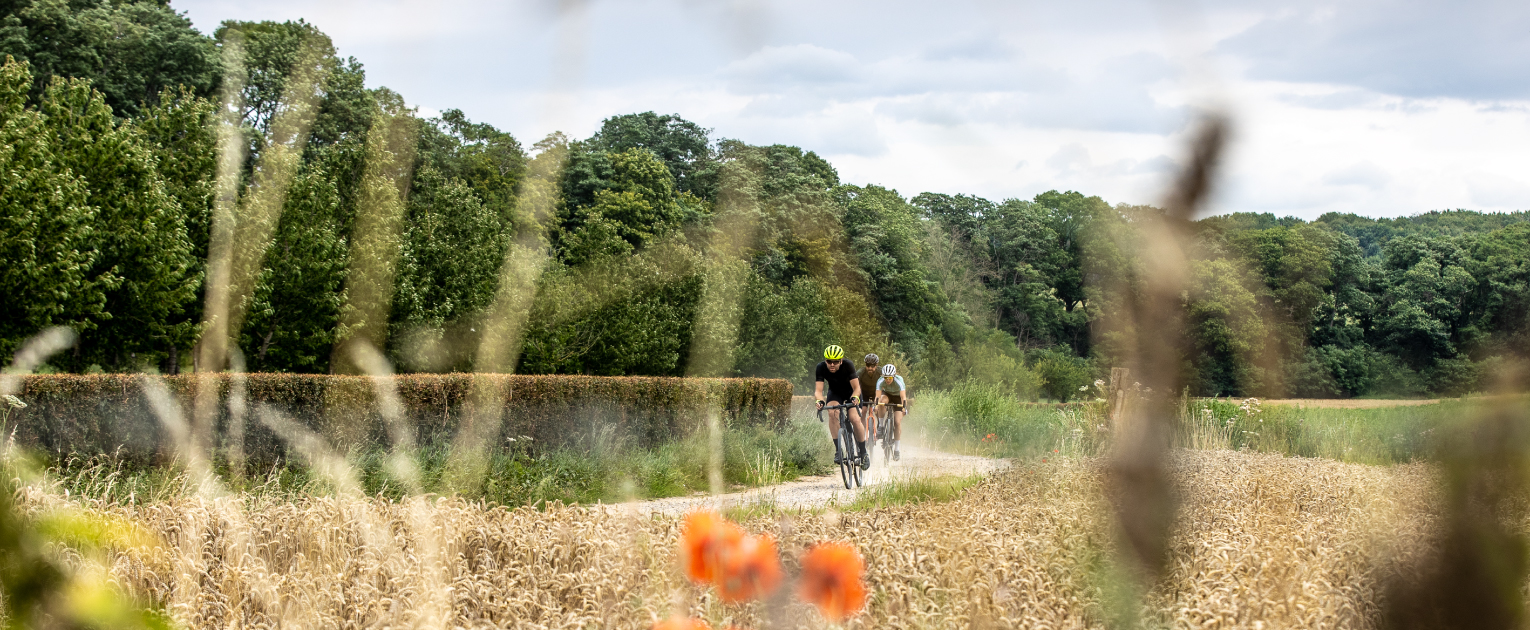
835	407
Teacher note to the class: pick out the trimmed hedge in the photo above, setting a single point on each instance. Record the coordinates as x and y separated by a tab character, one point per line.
108	414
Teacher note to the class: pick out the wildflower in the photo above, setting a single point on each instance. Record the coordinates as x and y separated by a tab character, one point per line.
706	540
681	623
832	576
14	402
1083	388
750	570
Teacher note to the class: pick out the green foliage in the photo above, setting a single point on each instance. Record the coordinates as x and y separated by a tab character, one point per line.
1063	376
995	360
272	54
488	161
914	490
937	368
48	225
131	51
655	231
630	316
1388	435
140	230
682	145
1225	324
295	310
984	419
782	331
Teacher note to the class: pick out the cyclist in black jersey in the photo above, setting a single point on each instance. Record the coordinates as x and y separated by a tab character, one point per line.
843	386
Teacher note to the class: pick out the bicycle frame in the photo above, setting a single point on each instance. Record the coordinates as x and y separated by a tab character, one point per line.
849	468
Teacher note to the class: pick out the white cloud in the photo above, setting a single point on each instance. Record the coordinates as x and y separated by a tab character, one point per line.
1380	107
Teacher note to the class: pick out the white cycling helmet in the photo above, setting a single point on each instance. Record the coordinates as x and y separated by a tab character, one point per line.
889	370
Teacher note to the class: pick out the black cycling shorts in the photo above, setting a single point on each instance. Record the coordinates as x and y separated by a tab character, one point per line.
836	398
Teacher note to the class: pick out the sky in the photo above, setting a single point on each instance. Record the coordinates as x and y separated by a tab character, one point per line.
1375	107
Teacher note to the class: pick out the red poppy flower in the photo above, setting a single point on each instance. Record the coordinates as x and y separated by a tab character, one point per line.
750	570
705	542
832	579
681	623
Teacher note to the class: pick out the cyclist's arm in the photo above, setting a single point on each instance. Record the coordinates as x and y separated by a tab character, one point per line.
855	387
818	391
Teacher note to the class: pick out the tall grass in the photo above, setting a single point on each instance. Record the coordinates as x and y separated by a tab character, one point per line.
518	472
983	420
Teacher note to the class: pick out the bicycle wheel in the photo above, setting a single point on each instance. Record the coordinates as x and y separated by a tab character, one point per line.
887	443
846	467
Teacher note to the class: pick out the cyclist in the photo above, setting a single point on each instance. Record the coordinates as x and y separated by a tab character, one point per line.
891	390
869	376
843	387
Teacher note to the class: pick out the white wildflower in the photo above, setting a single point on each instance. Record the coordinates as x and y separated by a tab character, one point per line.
14	402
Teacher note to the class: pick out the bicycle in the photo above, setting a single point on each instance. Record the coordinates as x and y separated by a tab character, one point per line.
885	428
849	467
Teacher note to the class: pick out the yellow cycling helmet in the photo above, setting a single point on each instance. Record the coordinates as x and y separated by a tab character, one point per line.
833	353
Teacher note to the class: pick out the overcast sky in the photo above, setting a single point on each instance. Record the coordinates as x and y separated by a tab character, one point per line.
1378	107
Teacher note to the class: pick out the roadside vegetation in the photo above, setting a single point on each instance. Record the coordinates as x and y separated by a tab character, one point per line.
517	475
983	420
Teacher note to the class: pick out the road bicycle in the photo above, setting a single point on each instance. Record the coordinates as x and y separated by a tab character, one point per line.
850	466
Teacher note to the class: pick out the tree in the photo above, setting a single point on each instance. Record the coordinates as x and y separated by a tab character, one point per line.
139	236
1225	329
273	54
448	271
884	233
1421	315
46	225
489	161
132	51
629	195
682	145
295	309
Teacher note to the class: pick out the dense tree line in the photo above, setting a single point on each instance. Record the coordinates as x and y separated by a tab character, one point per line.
667	251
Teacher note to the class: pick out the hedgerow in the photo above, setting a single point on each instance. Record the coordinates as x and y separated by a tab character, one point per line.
110	414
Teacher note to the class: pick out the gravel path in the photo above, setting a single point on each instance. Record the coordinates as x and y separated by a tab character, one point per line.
815	492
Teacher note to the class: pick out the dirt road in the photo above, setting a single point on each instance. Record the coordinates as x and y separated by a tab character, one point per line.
816	492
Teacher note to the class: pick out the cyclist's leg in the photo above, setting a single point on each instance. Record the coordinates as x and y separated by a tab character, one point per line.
897	432
860	435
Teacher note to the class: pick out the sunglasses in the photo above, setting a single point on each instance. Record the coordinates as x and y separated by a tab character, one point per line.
834	361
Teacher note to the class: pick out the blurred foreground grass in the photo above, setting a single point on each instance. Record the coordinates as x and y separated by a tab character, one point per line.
1263	540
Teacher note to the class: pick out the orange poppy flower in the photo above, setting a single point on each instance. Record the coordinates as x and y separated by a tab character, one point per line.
681	623
705	541
832	579
750	570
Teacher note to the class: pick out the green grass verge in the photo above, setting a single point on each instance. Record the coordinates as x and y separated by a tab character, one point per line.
517	475
910	490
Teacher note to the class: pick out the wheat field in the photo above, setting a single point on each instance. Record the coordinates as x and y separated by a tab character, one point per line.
1263	541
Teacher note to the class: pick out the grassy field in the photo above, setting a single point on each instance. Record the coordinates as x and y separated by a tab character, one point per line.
1289	516
1032	547
981	420
517	475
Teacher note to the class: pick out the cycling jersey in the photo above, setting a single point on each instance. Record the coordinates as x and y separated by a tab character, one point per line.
869	378
837	382
891	387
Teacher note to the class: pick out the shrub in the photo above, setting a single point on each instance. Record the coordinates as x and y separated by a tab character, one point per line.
109	414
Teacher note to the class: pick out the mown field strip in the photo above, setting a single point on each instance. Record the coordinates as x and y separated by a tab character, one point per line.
1264	541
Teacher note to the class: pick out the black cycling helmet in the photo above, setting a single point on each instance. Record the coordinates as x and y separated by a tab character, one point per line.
873	359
